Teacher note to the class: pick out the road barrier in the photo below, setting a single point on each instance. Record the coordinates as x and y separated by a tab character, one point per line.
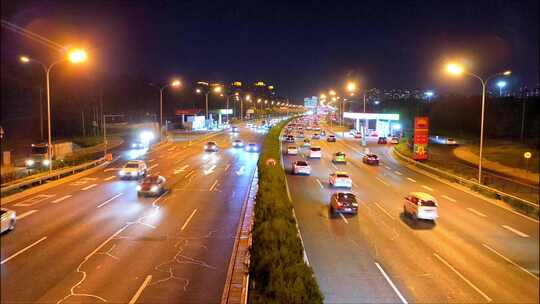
483	189
56	174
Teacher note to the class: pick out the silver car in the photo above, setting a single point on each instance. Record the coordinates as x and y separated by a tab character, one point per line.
8	220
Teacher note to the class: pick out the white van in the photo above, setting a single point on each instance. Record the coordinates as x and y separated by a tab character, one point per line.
315	152
421	206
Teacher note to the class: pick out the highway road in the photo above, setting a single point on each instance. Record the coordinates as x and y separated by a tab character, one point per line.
476	252
93	240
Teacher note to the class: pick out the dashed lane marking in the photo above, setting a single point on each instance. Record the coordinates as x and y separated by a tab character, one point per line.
58	200
427	188
89	187
476	212
23	250
448	198
140	290
152	166
109	200
412	180
398	173
521	234
20	217
382	181
510	261
344	218
400	296
319	182
34	200
110	177
384	210
188	220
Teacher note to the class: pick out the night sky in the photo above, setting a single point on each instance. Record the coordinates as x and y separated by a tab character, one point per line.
301	48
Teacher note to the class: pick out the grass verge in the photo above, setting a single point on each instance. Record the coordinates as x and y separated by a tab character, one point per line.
277	266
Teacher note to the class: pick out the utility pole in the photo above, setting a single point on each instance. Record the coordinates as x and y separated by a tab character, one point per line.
522	134
82	119
41	111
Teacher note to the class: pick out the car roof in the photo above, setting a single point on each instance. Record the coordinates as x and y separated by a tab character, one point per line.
341	172
423	196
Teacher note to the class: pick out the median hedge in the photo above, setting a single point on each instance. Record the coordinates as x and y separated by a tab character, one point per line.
278	271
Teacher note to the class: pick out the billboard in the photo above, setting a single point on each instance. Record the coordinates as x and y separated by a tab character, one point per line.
421	128
311	102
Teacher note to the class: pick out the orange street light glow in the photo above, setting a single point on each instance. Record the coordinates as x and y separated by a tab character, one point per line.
24	59
454	69
77	56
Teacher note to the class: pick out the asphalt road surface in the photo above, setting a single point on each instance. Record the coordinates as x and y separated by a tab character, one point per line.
476	252
94	240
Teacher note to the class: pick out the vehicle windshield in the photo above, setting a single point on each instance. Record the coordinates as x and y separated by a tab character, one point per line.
342	175
372	156
39	150
340	154
315	149
150	179
301	163
346	197
429	203
292	147
132	165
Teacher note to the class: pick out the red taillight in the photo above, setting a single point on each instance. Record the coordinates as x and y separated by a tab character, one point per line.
339	204
419	203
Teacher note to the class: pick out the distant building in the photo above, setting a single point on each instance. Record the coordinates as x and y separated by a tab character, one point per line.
311	102
375	94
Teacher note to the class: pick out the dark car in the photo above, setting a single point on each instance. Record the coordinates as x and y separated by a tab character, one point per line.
331	138
289	138
344	203
382	140
211	147
370	159
152	185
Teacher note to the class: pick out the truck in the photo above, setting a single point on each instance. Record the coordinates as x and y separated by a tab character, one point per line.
39	154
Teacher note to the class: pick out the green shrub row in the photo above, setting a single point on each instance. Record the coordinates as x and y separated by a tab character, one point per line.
278	271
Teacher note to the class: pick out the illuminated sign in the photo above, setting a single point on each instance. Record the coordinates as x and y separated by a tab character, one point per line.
260	84
380	116
421	128
270	87
250	111
225	111
237	84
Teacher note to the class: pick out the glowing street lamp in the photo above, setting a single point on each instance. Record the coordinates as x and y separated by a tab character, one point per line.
74	56
429	95
351	87
457	70
501	84
332	93
173	83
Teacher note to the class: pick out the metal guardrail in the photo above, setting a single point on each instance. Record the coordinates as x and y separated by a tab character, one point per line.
464	181
55	174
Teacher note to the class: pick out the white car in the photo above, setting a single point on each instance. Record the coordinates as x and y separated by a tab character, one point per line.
8	219
394	140
451	142
340	179
238	143
421	205
133	169
301	167
315	152
292	150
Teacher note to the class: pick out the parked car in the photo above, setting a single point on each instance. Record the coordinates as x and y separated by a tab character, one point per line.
8	219
340	179
370	159
420	205
152	185
133	169
344	203
382	140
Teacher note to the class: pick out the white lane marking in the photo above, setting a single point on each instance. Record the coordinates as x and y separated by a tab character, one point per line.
110	169
188	220
110	177
510	261
151	160
449	198
319	182
213	186
20	217
109	200
227	167
23	250
189	174
521	234
382	181
171	149
427	188
462	277
400	296
343	217
241	171
140	290
89	187
412	180
34	200
58	200
210	170
152	166
476	212
182	169
398	173
335	167
384	210
388	168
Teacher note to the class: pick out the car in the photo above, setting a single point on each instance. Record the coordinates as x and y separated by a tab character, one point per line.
301	167
352	132
382	140
370	159
340	179
249	125
357	135
289	139
394	140
8	219
307	142
251	147
234	129
300	135
238	143
323	133
331	138
315	136
138	145
133	169
211	147
344	203
451	142
339	157
152	185
420	205
316	128
315	152
292	150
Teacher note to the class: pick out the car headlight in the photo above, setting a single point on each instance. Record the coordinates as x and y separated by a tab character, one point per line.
134	145
154	188
46	162
122	173
134	173
205	146
29	162
139	188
